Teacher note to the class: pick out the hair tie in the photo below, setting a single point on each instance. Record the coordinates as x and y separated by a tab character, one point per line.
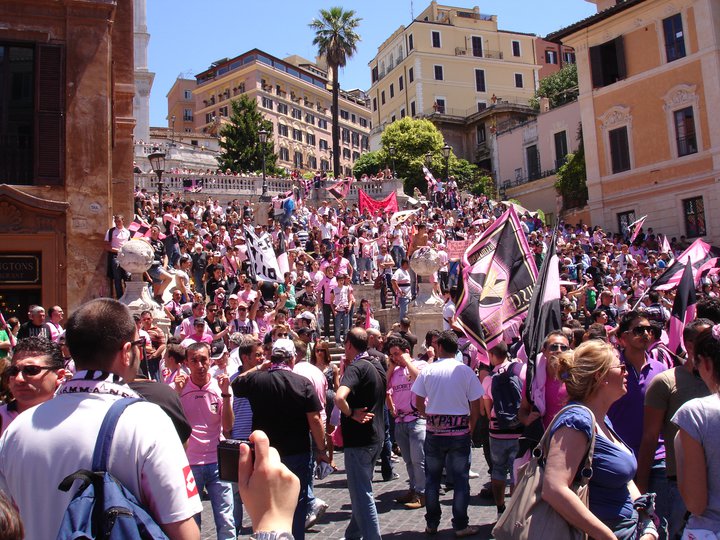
716	331
565	375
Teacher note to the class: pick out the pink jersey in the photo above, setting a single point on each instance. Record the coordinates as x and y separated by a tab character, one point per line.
203	408
399	388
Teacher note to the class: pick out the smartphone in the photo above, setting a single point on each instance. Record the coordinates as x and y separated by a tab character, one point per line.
228	452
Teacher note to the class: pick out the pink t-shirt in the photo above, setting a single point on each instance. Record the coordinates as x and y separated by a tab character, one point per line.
555	399
319	382
400	389
203	408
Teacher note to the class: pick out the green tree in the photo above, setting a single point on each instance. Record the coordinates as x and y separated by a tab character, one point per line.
571	180
241	149
337	41
560	87
369	163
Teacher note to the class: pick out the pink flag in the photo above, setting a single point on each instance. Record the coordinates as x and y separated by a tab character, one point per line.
683	310
429	177
696	253
665	248
637	224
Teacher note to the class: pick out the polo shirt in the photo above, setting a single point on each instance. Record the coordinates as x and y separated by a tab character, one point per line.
203	408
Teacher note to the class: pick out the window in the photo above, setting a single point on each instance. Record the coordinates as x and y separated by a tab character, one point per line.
298	160
533	162
310	139
296	114
392	118
392	91
344	114
312	162
694	211
310	118
440	105
477	49
402	112
551	57
382	97
345	135
401	84
438	73
224	110
324	165
607	62
267	103
32	91
282	108
374	104
353	118
411	45
364	142
363	122
374	74
355	156
411	74
323	144
355	139
561	148
516	48
569	57
187	94
282	130
187	115
481	135
412	108
685	132
624	220
674	38
619	149
284	154
297	135
518	80
481	106
480	80
322	123
436	39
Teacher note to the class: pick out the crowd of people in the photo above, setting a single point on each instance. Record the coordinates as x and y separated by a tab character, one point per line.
307	364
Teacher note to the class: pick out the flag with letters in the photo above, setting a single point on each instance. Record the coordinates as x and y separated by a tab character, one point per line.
261	255
499	275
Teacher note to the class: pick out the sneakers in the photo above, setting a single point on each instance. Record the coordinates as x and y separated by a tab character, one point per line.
416	504
392	477
473	474
410	496
467	531
430	530
318	510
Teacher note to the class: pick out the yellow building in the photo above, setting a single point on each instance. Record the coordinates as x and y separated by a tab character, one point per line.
649	78
294	95
181	106
450	61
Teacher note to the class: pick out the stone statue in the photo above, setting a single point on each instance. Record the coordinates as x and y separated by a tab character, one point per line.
425	261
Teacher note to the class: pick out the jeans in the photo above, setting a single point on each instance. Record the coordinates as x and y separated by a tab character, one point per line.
403	303
300	465
677	510
398	254
237	509
341	324
199	285
221	499
172	248
658	484
386	464
119	275
455	451
326	315
359	466
410	437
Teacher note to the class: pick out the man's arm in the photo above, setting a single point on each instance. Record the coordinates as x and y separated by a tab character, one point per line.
474	413
182	530
362	416
652	424
228	417
317	430
420	405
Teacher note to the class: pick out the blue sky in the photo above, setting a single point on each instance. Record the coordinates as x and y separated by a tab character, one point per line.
186	36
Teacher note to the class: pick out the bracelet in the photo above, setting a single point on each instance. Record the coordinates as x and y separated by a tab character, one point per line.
225	395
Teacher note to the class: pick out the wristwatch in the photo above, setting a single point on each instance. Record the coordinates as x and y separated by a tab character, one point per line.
272	535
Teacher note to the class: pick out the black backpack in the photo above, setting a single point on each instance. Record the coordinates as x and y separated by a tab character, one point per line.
506	388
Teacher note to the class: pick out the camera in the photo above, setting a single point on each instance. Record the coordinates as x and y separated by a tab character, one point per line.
228	452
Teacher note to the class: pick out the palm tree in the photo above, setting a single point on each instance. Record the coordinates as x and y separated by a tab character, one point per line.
336	40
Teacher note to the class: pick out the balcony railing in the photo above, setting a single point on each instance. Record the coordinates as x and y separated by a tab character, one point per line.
535	175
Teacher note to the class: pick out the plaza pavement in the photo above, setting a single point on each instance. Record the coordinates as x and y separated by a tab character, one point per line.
395	521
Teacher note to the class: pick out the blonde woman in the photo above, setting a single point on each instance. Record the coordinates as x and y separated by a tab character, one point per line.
594	378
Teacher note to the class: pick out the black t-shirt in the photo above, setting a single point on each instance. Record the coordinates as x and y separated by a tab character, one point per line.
412	340
216	326
366	381
213	285
158	249
280	400
167	398
28	329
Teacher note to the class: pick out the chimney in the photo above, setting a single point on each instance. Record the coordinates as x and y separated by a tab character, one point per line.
544	104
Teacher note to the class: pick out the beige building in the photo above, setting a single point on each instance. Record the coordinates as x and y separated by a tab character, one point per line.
294	95
649	78
181	106
450	62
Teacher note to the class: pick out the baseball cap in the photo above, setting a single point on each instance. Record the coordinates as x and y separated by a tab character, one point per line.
283	347
217	254
233	296
217	349
307	316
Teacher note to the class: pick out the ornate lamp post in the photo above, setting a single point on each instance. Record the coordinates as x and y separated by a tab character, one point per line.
263	135
446	154
391	151
157	162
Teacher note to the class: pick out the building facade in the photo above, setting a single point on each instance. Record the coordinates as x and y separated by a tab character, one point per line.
181	106
552	56
649	78
143	76
65	148
294	94
450	62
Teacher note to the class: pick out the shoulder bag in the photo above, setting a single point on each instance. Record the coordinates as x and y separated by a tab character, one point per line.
528	516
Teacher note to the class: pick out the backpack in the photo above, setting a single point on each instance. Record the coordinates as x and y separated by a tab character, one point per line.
103	508
506	389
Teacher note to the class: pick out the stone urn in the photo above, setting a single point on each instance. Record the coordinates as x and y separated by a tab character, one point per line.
425	262
136	257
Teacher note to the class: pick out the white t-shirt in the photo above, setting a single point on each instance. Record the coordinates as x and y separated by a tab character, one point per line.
449	386
53	440
402	277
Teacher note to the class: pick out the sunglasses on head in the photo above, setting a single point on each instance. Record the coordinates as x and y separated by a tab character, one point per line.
559	347
27	371
640	330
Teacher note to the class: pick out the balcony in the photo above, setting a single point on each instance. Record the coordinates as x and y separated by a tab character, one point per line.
520	179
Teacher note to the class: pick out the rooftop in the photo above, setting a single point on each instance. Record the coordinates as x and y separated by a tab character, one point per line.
621	5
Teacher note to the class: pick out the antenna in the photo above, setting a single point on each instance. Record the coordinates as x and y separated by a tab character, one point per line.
412	11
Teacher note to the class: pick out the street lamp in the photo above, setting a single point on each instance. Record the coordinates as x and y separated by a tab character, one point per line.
157	162
263	135
446	154
391	151
172	136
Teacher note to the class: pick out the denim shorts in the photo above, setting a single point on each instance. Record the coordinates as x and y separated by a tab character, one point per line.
155	273
502	453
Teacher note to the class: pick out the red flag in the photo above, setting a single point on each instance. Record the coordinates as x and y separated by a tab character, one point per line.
375	207
683	310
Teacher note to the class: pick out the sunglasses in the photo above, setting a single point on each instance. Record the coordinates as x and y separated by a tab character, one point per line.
622	367
559	347
642	329
27	371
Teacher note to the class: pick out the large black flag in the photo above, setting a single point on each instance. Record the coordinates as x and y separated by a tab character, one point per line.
683	310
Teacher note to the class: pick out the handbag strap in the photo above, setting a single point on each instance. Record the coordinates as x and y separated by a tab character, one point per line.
543	447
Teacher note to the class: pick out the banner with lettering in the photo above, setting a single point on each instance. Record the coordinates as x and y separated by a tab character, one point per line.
456	248
261	256
499	275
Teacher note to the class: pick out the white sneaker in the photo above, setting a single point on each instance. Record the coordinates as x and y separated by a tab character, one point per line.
473	474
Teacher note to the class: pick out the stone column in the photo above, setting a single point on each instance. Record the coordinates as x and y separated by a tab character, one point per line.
426	312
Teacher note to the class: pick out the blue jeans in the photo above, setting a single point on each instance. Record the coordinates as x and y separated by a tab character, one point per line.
221	499
455	451
677	510
386	464
410	437
237	508
300	465
359	466
403	303
398	254
341	325
658	484
172	249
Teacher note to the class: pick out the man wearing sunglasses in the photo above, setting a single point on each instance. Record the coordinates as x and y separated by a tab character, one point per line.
37	370
146	455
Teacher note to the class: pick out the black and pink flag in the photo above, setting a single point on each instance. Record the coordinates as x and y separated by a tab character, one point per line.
141	230
698	253
683	310
709	268
636	226
341	188
498	279
432	183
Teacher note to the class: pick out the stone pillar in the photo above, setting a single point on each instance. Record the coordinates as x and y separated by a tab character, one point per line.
426	312
143	77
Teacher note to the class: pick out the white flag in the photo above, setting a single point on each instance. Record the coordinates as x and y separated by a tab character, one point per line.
262	257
